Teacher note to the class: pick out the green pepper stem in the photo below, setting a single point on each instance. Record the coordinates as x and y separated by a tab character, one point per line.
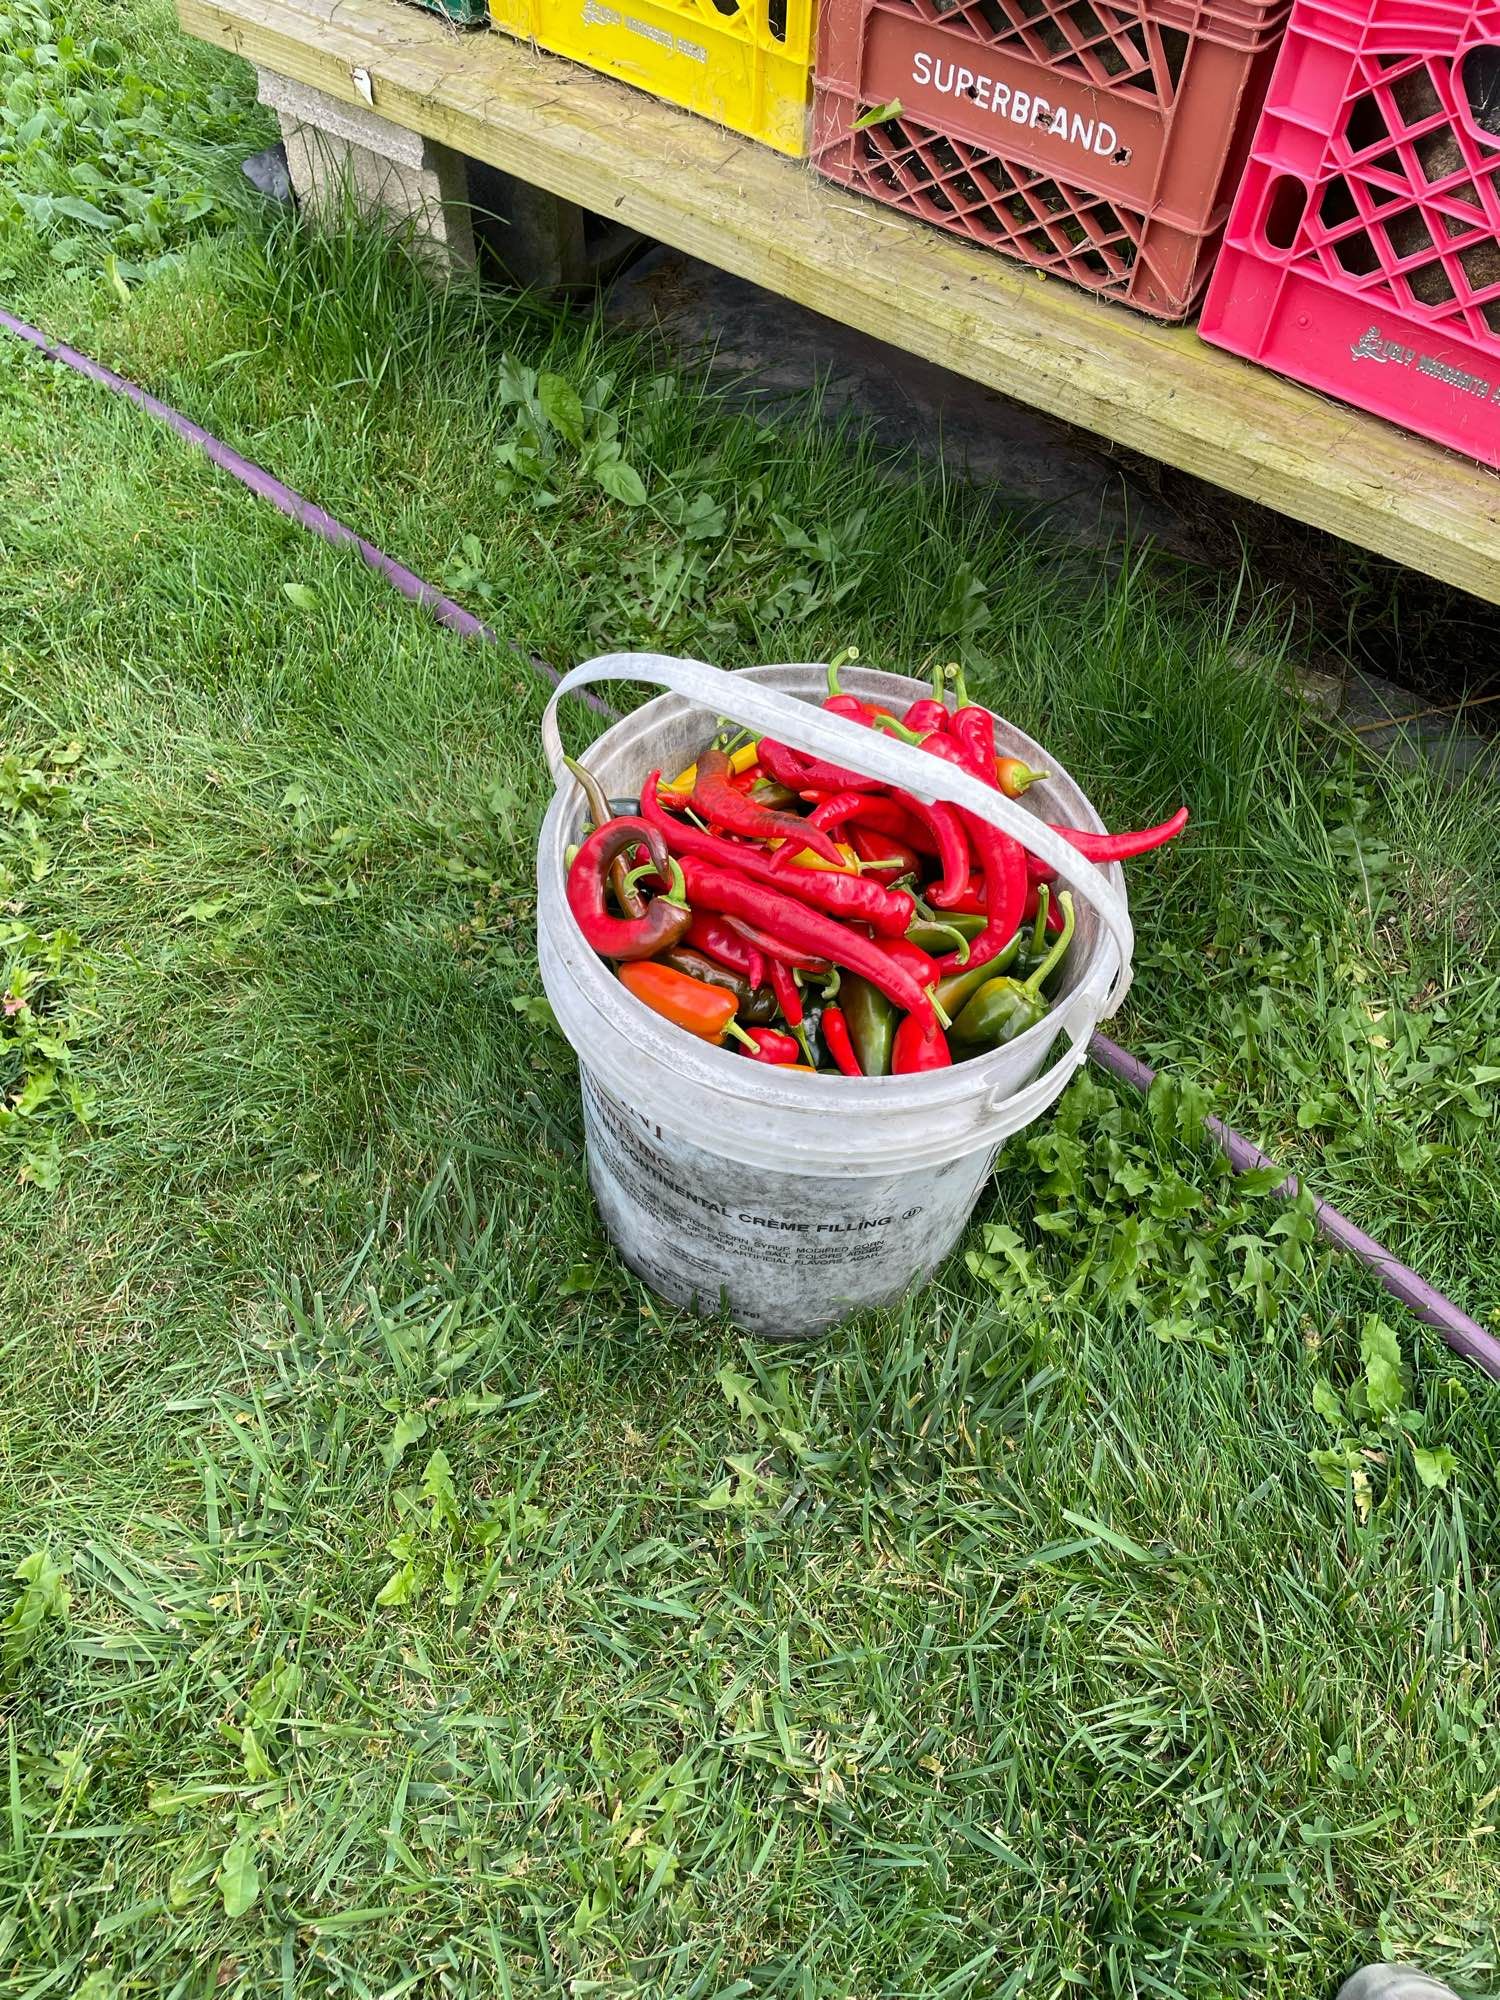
953	673
1033	985
945	1019
732	1027
677	884
894	728
831	984
835	665
961	943
1039	928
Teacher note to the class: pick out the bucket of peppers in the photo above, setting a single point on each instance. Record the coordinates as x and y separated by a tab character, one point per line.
817	919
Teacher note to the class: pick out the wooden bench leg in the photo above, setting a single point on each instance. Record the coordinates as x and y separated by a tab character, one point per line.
336	151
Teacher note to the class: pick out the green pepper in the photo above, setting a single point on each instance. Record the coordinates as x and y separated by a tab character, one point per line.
937	936
871	1019
1005	1008
955	992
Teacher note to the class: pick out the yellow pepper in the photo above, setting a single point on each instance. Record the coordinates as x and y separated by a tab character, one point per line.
807	859
683	783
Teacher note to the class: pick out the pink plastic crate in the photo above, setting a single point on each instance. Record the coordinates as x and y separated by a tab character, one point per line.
1362	254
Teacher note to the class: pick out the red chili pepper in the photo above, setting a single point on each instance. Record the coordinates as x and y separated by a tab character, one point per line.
1013	777
850	705
716	800
774	949
883	850
973	730
919	1046
930	829
857	897
1003	862
771	1046
926	714
837	1041
716	888
716	937
809	774
666	918
970	902
1121	846
788	998
920	964
884	813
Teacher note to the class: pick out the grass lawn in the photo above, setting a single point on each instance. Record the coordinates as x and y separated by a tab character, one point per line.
394	1599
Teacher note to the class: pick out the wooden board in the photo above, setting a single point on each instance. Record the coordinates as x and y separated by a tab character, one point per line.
1157	389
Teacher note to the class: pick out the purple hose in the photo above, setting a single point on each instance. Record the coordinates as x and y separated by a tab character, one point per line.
260	482
1464	1335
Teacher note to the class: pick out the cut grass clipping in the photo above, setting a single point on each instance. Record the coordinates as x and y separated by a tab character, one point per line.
395	1598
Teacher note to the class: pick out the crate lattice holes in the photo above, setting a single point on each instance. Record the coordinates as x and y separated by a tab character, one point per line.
1363	253
746	64
1100	143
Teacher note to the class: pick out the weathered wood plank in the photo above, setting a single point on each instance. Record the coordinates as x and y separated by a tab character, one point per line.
1156	389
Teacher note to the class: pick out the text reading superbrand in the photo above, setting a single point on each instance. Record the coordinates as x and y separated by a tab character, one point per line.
1021	107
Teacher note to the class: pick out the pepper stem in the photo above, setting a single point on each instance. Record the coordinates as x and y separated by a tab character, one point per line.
1039	928
1033	985
838	662
831	984
732	1027
676	884
945	1019
894	728
961	943
592	790
953	673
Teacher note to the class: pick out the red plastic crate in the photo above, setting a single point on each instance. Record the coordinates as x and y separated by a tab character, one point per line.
1363	253
1099	142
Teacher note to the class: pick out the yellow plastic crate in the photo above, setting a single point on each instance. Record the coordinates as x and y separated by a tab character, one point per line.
745	63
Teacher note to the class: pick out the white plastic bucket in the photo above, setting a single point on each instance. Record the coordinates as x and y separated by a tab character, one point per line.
786	1199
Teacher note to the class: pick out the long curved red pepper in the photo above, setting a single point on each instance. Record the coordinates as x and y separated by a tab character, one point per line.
855	897
1121	846
1003	862
941	829
665	921
922	967
715	888
716	799
774	950
715	937
809	774
839	1043
881	811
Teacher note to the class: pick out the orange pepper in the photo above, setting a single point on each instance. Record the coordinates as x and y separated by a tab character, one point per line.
705	1011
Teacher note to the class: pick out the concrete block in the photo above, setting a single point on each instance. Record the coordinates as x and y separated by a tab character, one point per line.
337	151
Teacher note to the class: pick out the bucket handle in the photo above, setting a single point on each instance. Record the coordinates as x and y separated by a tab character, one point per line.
809	728
1075	1018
